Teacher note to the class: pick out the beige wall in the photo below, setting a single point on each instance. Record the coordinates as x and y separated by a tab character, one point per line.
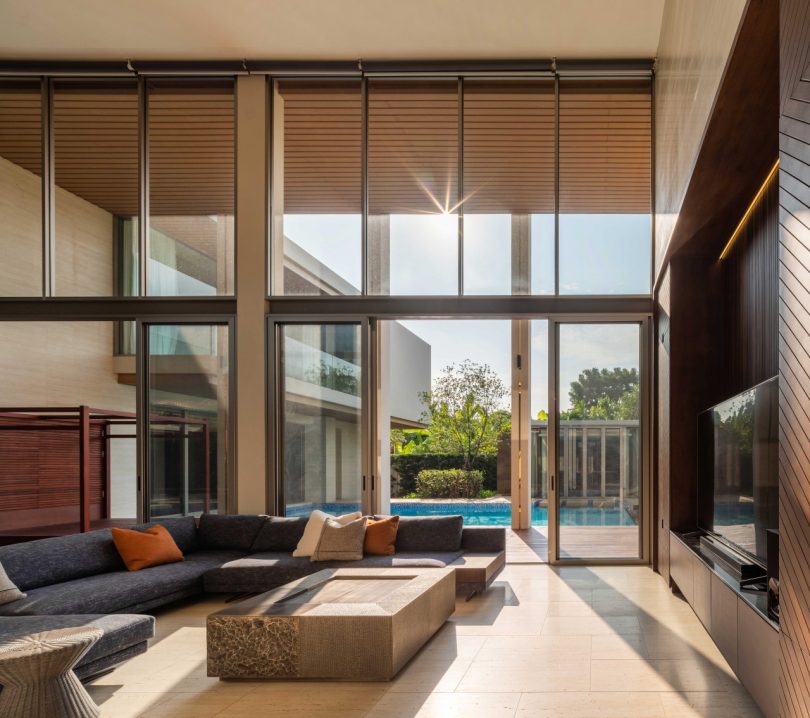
21	235
695	44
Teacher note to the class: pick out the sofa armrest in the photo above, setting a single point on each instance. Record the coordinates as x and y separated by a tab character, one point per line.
483	539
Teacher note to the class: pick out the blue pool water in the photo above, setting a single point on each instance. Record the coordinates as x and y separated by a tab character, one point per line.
483	514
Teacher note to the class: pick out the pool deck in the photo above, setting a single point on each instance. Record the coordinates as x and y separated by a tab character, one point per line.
611	542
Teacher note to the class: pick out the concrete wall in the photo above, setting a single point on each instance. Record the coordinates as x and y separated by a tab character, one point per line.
409	358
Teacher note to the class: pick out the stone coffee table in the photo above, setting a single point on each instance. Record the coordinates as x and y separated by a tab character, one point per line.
350	623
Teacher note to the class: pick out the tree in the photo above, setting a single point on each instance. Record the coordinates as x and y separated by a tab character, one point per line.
605	394
465	411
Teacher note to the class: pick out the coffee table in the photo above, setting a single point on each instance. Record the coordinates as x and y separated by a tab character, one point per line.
351	624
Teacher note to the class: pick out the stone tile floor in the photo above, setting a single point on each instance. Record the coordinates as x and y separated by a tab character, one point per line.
601	642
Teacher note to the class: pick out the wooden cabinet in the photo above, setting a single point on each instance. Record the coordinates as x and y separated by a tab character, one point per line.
747	640
681	571
724	620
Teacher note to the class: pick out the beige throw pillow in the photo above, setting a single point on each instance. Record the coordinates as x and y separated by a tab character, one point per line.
341	542
312	531
8	591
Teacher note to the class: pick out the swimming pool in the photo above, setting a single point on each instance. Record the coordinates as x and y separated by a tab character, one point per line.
483	513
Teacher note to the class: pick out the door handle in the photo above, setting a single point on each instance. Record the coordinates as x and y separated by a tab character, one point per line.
372	482
364	483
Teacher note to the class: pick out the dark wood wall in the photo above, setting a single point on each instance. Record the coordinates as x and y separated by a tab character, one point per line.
751	298
794	357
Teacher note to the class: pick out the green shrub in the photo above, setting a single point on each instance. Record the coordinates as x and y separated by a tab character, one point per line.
487	494
449	483
408	466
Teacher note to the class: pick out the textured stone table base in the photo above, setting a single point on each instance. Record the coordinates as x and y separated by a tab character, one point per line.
36	673
350	624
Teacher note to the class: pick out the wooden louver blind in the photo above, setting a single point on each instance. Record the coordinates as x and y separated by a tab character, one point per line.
191	147
21	124
321	146
605	156
95	140
412	146
508	147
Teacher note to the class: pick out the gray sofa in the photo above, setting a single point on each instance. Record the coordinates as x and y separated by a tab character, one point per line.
80	579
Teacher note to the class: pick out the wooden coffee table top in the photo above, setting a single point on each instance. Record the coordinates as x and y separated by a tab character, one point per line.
343	591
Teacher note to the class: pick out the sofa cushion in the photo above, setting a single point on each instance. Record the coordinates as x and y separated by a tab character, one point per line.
182	528
263	571
312	531
280	533
120	631
232	532
121	591
429	533
62	558
381	536
142	549
340	542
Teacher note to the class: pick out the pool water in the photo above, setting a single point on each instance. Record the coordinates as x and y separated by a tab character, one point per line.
483	514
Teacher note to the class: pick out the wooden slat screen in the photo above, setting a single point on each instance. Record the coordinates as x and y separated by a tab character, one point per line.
191	147
21	124
322	146
412	146
509	147
96	143
605	157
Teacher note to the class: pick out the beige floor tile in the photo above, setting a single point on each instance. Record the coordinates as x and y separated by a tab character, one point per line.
446	705
312	695
659	675
626	646
595	626
424	674
709	705
590	705
550	675
533	650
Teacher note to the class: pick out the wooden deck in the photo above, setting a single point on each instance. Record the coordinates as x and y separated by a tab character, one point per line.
531	545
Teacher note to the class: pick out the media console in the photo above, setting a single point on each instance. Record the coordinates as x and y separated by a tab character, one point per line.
736	618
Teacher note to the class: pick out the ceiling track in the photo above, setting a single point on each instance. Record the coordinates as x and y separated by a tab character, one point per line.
585	69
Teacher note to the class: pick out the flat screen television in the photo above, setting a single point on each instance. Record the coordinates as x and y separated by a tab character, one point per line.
738	465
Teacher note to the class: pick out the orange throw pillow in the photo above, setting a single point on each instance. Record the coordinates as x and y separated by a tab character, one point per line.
381	536
142	549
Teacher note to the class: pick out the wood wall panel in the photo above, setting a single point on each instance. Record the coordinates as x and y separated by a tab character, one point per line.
794	360
663	310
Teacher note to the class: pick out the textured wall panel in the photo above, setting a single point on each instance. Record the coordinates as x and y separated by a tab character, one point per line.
794	359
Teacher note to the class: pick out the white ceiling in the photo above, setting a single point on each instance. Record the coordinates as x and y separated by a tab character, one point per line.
328	29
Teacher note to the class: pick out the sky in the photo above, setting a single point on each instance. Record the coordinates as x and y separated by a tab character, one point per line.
599	253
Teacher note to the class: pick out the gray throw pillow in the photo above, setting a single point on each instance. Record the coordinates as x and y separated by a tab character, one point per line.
341	542
8	591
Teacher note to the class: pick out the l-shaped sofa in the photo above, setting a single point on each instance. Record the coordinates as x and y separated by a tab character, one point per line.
80	579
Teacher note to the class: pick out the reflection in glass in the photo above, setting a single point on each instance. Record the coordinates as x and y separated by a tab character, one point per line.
320	388
317	192
187	435
413	187
20	189
599	441
191	187
539	421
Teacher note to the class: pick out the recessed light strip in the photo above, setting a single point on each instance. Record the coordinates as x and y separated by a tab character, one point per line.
747	214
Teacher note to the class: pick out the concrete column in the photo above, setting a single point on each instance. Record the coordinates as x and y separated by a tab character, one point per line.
251	260
277	188
521	254
521	425
379	254
383	429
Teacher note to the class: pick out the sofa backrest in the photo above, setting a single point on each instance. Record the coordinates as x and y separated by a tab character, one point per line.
429	533
229	531
279	534
62	558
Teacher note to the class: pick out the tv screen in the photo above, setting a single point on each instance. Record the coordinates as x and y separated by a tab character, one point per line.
738	465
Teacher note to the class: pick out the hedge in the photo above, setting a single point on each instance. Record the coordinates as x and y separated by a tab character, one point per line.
408	466
448	484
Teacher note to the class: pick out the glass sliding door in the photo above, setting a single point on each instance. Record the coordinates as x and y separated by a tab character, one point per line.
320	422
187	396
599	412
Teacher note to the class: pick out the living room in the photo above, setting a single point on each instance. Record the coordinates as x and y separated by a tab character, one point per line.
436	359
